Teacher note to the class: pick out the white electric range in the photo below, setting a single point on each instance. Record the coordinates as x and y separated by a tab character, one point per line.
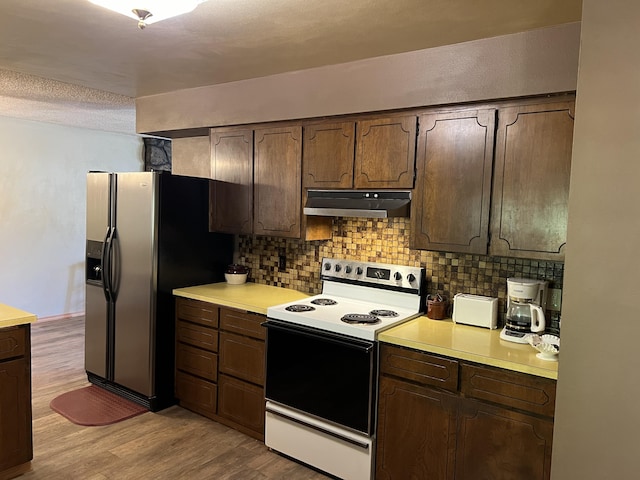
321	363
358	299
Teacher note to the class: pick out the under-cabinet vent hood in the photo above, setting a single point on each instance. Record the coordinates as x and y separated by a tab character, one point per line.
358	203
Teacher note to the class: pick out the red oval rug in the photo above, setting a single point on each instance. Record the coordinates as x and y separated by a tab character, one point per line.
93	406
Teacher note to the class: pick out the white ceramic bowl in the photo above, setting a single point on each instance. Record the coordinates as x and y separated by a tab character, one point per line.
235	278
547	345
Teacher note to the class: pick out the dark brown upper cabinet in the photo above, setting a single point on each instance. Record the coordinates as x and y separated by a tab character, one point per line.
277	181
531	181
450	208
385	152
328	154
231	192
371	153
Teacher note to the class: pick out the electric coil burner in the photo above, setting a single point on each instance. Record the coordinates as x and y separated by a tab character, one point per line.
324	301
383	313
321	363
300	308
360	318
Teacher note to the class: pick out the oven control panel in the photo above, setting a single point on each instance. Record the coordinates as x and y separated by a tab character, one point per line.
372	273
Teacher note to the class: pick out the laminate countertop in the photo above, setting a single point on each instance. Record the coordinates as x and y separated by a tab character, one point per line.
464	342
11	316
251	297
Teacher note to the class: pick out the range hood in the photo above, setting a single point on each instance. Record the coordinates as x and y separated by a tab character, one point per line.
358	203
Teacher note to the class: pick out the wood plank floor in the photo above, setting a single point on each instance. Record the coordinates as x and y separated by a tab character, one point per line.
171	444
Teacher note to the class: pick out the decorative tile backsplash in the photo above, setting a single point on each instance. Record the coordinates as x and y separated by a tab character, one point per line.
387	241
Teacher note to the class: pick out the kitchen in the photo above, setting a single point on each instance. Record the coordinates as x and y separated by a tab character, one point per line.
579	270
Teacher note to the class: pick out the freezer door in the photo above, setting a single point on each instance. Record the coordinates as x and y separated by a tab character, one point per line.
96	307
135	246
95	335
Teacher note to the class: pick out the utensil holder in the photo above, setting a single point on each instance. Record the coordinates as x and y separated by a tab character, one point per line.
437	309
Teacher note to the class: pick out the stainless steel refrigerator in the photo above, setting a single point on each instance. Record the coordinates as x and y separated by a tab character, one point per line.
147	233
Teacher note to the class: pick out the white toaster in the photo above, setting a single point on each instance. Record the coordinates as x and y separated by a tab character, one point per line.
475	310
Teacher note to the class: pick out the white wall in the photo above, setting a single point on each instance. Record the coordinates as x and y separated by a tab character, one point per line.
42	209
597	429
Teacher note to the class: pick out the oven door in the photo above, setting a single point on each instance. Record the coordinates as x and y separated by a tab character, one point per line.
329	376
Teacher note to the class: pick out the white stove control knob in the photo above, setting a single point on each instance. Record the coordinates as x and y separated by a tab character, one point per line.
397	276
359	271
338	268
411	277
348	269
327	266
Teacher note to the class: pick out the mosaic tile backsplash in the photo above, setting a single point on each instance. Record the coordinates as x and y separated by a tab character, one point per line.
387	241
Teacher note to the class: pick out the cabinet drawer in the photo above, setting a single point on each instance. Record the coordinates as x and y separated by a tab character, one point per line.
512	389
242	323
197	362
419	367
242	357
242	402
12	342
197	335
198	312
196	394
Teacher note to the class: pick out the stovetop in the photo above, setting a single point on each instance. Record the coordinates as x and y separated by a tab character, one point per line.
374	296
329	317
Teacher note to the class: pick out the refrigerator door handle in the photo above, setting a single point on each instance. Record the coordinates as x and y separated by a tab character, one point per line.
107	255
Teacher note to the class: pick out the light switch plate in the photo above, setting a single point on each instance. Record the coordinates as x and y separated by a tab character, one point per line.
554	302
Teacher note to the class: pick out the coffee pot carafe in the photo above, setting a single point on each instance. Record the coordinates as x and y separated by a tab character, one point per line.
526	299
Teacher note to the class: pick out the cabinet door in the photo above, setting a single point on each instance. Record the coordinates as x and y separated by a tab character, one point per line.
517	390
498	444
416	432
531	181
196	361
196	311
450	209
197	335
277	181
15	414
190	156
242	403
196	394
328	153
243	323
231	201
385	152
242	357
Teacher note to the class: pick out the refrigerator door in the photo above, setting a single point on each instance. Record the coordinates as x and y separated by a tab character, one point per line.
96	306
135	267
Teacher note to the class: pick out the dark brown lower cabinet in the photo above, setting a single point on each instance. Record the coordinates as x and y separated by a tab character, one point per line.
492	424
243	403
16	445
220	364
495	443
241	382
416	432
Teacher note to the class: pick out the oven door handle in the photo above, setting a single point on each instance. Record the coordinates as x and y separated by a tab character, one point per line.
356	344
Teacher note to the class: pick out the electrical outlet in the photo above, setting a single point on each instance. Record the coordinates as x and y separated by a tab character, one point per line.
282	262
554	302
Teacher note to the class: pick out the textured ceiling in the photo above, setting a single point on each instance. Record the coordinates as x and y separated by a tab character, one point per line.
72	62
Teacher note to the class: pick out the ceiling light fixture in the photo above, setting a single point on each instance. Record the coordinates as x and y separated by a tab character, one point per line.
149	11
